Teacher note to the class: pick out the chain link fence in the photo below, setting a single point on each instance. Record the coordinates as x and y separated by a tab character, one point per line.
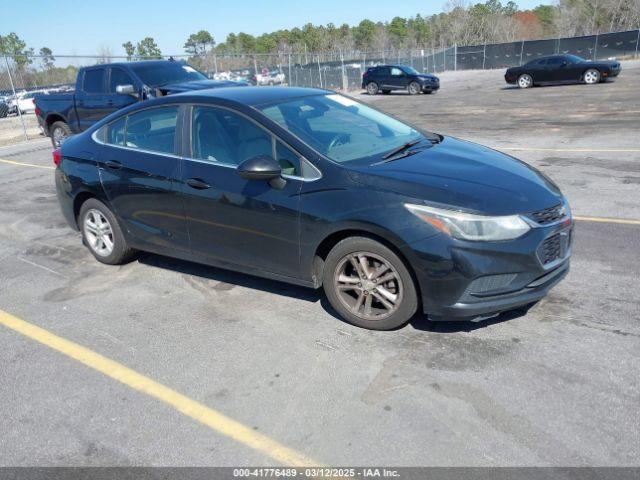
22	76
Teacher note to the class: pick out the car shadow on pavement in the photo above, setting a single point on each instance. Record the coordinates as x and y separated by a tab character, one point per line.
419	322
229	277
422	322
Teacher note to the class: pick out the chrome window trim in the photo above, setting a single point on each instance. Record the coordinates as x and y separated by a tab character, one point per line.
95	138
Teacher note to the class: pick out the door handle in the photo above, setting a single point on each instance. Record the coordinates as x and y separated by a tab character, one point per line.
198	184
113	165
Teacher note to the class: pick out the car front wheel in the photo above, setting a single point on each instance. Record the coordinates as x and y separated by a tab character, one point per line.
591	76
369	285
101	233
525	81
414	88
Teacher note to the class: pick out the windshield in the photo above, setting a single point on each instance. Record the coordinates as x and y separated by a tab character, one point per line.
340	128
410	71
157	74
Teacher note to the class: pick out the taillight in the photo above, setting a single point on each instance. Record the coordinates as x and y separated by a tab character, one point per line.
38	112
33	100
57	156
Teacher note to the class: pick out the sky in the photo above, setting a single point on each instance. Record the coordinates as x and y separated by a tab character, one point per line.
77	27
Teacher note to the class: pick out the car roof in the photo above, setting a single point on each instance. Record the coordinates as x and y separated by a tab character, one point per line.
251	95
136	62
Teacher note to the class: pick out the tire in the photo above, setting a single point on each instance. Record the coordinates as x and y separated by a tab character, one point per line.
397	288
428	92
591	76
525	81
372	88
59	132
119	252
386	92
4	110
414	88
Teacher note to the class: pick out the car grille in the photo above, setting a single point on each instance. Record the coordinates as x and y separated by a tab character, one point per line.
554	248
549	215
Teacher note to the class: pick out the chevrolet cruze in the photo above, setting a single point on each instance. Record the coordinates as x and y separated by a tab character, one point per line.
313	188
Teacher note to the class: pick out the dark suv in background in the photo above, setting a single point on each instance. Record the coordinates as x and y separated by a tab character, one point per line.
385	78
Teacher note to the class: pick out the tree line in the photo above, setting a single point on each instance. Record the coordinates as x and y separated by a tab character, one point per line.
462	22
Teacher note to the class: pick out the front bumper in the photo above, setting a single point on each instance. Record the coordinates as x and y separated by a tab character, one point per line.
461	280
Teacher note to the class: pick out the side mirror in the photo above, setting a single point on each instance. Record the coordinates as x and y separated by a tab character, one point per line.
126	90
261	167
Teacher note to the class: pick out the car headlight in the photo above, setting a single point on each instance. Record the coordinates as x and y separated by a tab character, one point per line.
467	226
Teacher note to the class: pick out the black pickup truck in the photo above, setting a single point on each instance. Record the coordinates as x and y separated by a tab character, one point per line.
103	89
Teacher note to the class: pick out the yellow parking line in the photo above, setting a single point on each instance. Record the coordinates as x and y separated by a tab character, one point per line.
576	150
191	408
26	164
623	221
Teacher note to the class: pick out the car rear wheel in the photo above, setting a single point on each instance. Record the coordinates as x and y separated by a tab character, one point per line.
414	88
60	131
372	88
525	81
591	76
369	285
101	233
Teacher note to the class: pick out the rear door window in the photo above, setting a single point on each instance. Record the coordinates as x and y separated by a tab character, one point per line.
115	131
93	80
153	130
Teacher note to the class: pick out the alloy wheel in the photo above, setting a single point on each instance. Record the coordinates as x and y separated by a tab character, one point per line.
98	232
372	88
525	81
591	77
58	136
368	285
414	88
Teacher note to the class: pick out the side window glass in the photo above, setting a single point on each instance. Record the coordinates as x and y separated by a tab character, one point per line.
153	129
93	81
289	160
115	131
226	137
396	72
119	77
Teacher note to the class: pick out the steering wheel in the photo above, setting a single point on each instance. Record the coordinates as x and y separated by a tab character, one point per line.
339	139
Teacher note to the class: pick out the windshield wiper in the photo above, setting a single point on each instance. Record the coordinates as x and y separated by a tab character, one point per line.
401	148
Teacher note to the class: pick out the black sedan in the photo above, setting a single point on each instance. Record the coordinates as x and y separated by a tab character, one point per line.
313	188
561	69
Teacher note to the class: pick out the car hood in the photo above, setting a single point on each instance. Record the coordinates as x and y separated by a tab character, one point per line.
464	175
607	63
426	76
198	85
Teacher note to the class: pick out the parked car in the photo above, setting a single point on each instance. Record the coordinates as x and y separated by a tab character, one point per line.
4	108
24	101
104	89
385	78
313	188
269	77
561	69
